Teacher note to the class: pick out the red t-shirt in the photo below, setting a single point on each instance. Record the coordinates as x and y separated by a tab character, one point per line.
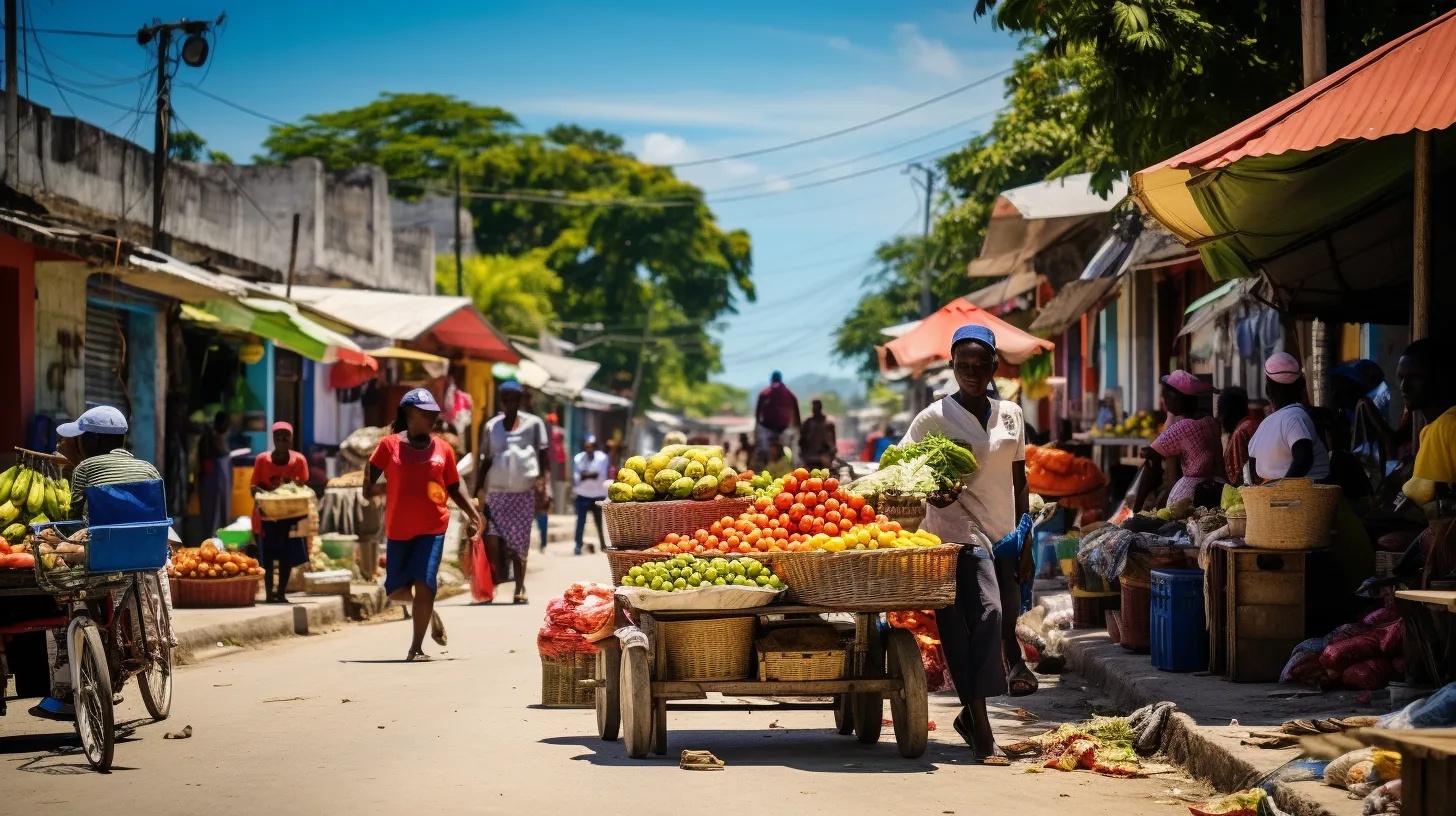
416	503
270	476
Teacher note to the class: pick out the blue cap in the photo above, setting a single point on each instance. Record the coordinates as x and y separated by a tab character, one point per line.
103	419
511	385
422	399
777	376
976	332
592	438
1351	372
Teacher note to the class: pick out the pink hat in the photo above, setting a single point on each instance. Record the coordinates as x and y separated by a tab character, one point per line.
1283	368
1189	384
282	426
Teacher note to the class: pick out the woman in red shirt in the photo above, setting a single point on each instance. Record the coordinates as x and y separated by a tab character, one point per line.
420	479
275	547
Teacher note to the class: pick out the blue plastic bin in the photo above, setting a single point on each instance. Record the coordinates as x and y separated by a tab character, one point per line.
1178	633
137	547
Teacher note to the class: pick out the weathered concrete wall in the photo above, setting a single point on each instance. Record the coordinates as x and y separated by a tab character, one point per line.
435	212
60	334
414	251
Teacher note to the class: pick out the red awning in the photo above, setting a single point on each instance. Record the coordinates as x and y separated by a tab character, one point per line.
1407	84
930	341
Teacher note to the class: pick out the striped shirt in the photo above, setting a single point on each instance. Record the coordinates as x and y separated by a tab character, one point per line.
117	467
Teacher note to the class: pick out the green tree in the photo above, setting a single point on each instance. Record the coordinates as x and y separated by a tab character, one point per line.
514	293
184	145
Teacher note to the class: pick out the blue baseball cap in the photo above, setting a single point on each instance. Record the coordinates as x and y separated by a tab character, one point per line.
422	399
511	385
975	332
777	376
103	419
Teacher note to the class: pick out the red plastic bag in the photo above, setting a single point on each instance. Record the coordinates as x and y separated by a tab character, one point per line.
560	612
1368	675
482	579
1347	631
1352	650
557	642
592	614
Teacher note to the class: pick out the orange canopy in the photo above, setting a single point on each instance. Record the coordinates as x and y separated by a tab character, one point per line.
930	341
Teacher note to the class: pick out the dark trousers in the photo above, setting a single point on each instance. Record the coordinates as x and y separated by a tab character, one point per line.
584	505
970	631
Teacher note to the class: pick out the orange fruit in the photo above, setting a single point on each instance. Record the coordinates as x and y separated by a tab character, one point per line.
856	502
831	529
230	568
801	474
831	484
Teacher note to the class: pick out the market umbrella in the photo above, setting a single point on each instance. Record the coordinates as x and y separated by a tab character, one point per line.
281	322
929	341
1314	191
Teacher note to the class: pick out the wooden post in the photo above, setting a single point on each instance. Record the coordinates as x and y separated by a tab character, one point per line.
1421	243
12	97
292	259
1312	37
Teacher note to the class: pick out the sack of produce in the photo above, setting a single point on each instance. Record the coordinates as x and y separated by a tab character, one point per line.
1368	675
1351	650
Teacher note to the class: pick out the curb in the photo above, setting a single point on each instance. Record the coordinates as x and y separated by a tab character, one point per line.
199	642
1202	750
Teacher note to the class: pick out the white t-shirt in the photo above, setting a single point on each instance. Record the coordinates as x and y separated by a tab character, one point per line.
513	452
597	463
1272	444
988	502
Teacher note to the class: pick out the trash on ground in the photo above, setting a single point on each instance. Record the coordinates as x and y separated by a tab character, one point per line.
185	733
699	761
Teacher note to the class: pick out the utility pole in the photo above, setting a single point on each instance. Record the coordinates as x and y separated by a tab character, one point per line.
927	304
193	53
1312	41
459	257
641	360
12	97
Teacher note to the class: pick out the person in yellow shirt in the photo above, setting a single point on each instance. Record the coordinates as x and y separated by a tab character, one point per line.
1428	384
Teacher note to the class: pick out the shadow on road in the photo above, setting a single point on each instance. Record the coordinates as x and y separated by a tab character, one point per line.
402	660
810	750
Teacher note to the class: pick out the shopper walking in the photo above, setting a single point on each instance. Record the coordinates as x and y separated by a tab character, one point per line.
513	479
420	478
276	549
777	411
590	474
985	509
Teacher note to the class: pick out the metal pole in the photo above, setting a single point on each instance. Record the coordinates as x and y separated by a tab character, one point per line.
159	150
1312	38
292	259
1421	245
459	261
637	377
12	97
926	304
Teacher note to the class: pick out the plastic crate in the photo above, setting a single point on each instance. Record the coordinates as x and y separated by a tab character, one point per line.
137	547
1178	633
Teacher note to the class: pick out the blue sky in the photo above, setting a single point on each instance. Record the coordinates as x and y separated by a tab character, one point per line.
680	81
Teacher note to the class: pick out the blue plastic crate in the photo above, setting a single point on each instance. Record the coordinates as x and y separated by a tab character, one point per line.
126	503
1179	633
137	547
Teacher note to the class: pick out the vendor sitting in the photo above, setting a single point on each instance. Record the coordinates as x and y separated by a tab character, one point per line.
1287	444
276	549
1190	446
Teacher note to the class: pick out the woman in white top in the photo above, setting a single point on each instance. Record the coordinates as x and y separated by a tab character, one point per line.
1287	444
512	477
984	510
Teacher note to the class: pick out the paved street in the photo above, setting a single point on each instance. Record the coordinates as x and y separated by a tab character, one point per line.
313	725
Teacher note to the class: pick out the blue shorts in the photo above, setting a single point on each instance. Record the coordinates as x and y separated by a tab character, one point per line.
415	559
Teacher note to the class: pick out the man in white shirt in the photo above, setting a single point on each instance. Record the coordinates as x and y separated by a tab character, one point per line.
590	473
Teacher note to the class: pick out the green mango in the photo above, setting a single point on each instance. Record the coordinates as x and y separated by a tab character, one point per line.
682	488
629	477
694	470
620	491
637	464
662	482
643	493
706	488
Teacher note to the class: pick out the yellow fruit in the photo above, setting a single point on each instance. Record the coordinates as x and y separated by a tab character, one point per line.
1420	491
230	568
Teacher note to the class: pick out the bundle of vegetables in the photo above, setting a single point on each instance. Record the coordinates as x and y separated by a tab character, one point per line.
948	460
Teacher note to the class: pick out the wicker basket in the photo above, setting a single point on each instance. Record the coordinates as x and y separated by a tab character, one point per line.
906	508
1136	614
279	508
873	580
638	525
1089	609
1238	525
622	560
213	593
562	679
800	666
1291	514
709	649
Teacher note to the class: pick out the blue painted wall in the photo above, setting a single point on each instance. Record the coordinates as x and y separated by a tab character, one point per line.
259	377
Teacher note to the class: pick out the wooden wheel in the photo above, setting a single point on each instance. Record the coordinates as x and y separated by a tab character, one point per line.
608	696
635	681
843	714
868	706
659	727
909	705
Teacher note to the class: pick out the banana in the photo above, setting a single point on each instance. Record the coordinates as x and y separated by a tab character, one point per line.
36	499
40	518
7	480
8	513
15	532
20	490
51	505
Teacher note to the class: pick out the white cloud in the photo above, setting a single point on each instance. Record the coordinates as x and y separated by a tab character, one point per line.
776	184
737	168
840	44
926	55
661	148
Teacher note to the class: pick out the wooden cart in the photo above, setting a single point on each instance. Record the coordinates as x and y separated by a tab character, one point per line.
633	692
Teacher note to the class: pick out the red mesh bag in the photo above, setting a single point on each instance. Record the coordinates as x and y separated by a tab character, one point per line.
1368	675
1351	650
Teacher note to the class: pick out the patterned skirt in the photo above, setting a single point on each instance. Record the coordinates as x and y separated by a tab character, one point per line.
511	516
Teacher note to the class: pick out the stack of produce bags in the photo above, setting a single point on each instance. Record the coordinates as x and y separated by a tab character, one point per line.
1364	655
584	609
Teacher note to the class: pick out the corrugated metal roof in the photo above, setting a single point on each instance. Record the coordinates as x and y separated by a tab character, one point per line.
1001	291
1407	84
1063	197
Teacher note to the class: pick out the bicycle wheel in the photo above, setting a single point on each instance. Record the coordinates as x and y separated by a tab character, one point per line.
156	681
95	720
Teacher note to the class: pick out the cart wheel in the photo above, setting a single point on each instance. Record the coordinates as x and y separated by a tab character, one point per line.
909	705
608	699
636	701
843	715
869	706
156	681
95	721
659	727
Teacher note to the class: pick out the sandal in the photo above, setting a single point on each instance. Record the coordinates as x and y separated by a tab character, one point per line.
416	656
1022	681
993	761
520	597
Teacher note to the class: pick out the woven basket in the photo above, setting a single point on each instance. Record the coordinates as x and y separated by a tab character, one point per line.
215	593
710	649
1136	614
801	666
638	525
561	681
906	508
873	580
283	507
1291	514
1238	525
622	560
1089	609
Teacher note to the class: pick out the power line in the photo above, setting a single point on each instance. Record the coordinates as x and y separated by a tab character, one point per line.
846	177
235	106
851	129
73	33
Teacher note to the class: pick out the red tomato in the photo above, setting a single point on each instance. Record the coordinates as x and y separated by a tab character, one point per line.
831	503
701	536
856	502
818	526
832	516
791	484
822	496
762	503
801	474
831	484
745	547
814	485
783	501
715	529
866	514
806	524
797	512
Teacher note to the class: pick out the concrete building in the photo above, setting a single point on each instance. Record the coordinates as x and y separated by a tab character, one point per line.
435	213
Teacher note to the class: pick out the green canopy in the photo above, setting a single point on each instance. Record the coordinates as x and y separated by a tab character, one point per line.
281	322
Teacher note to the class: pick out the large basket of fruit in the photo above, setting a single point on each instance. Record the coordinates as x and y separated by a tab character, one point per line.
879	580
289	501
637	525
678	489
208	578
621	561
687	583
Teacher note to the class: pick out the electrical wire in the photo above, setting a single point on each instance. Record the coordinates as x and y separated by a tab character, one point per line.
235	106
812	139
73	33
222	169
901	163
